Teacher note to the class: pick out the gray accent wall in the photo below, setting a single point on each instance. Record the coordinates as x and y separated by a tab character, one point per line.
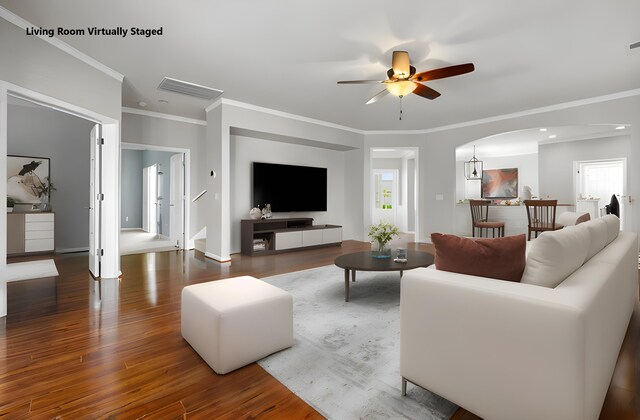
131	191
65	140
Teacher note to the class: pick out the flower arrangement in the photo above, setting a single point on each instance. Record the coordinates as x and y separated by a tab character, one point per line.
382	233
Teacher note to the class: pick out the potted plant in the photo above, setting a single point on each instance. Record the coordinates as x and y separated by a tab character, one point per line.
45	190
11	202
381	233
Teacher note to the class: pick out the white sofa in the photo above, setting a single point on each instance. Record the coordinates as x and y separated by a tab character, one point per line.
506	350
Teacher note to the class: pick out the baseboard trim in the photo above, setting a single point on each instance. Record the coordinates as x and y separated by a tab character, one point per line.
133	228
72	250
217	257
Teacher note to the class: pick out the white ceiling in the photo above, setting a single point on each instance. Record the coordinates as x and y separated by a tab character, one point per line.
288	55
524	142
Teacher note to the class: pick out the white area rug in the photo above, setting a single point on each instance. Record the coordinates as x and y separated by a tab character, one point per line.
139	241
31	270
346	358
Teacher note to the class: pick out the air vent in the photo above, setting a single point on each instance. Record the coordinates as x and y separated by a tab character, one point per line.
190	89
634	48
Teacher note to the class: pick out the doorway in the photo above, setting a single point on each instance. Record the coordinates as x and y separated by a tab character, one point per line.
597	182
393	189
154	210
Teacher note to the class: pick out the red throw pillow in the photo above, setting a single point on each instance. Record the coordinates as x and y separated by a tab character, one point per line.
497	258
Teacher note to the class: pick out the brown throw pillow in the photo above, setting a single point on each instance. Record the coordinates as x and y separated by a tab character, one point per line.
498	258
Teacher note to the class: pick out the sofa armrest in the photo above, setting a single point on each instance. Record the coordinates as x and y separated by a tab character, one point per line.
501	350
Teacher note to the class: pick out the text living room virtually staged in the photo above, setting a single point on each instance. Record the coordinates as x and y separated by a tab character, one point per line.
344	210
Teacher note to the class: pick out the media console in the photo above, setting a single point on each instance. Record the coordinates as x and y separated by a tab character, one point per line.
271	236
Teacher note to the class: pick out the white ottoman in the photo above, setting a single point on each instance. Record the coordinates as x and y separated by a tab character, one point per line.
233	322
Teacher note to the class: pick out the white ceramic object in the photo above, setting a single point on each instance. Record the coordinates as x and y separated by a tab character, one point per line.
255	213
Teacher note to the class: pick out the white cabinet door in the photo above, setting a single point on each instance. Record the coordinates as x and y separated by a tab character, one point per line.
312	237
332	235
288	240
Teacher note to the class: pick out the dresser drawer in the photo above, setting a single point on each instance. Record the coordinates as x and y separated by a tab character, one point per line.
39	217
38	234
38	245
38	226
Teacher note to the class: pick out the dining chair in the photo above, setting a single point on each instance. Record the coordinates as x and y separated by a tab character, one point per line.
542	216
480	219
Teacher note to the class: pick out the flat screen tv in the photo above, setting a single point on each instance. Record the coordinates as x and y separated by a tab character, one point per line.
289	188
500	183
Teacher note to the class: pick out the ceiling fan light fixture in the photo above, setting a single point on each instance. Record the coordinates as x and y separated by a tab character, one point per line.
401	64
401	88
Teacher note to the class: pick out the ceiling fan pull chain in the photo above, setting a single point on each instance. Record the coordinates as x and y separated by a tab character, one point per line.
401	108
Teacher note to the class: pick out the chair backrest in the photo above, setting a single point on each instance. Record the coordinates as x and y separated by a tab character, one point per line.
541	213
479	210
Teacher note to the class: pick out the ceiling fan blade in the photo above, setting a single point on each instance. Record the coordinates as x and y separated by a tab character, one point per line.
425	91
357	82
401	64
377	97
443	72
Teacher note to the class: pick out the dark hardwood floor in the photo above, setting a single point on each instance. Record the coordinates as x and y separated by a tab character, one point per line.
75	348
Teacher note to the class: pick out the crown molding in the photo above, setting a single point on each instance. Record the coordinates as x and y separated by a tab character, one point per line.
61	45
533	111
127	110
214	105
283	114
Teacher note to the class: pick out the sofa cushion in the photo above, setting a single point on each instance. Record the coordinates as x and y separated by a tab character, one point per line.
570	218
554	255
598	234
613	227
498	258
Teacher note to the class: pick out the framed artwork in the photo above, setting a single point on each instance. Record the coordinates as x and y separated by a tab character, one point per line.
500	183
26	175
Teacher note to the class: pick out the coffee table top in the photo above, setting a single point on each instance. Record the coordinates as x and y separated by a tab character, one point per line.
363	261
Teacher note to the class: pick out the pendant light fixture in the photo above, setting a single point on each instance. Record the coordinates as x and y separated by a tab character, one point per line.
473	168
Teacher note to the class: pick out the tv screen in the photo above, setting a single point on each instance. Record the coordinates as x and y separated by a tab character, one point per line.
289	188
500	183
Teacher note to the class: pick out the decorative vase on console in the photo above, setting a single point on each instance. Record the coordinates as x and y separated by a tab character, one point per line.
255	213
381	233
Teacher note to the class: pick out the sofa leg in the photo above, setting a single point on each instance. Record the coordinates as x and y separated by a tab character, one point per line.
404	387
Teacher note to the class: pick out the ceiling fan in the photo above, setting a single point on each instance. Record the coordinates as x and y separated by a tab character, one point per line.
402	78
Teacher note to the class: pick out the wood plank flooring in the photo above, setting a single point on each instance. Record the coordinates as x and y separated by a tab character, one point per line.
72	347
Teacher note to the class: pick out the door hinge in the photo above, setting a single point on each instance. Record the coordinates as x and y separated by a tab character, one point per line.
100	142
100	197
102	252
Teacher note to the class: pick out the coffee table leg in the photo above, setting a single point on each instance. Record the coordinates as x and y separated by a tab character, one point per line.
353	275
346	285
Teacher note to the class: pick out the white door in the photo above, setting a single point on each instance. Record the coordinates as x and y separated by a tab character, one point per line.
384	199
176	200
598	180
95	206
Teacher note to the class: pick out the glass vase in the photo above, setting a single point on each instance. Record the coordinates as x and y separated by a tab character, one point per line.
383	251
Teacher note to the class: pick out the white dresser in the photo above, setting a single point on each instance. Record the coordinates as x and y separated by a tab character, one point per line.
30	232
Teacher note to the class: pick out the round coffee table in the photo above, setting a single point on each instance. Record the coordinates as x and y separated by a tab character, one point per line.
363	261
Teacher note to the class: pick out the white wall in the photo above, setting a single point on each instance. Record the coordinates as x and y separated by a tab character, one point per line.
65	140
246	150
527	174
556	163
148	130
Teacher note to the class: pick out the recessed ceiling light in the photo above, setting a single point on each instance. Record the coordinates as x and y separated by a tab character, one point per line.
163	101
620	127
142	104
553	136
543	129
